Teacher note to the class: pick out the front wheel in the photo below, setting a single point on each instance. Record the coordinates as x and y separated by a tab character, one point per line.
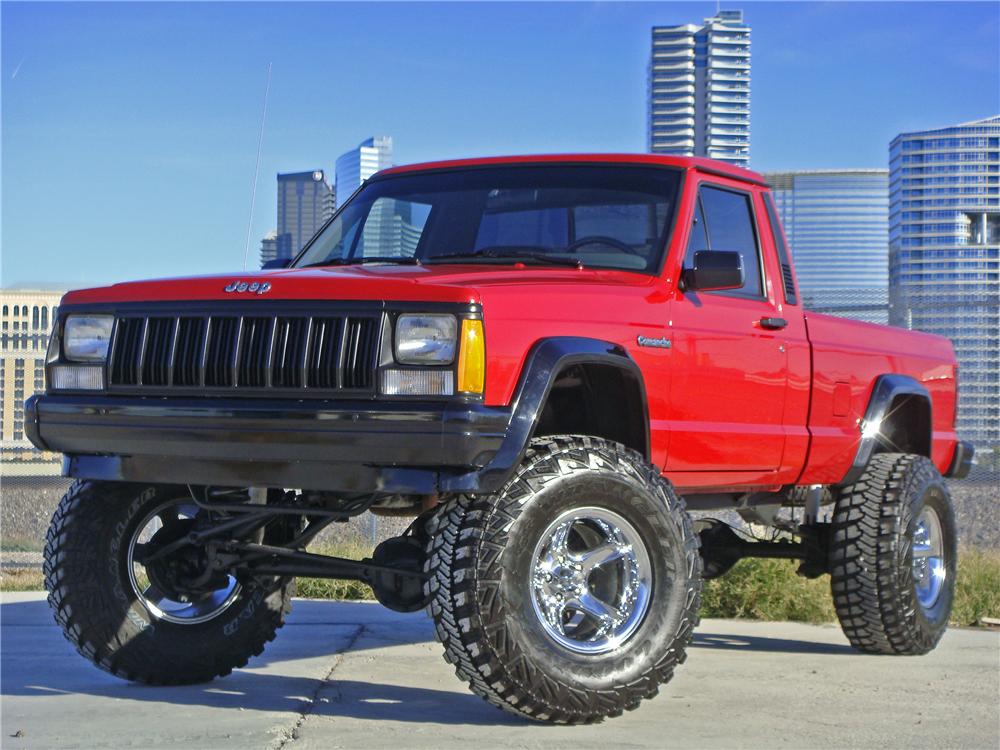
571	594
160	619
893	556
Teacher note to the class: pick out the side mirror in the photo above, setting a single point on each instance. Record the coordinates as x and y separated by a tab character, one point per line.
276	263
714	270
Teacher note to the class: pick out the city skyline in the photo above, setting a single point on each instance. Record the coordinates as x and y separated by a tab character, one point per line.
191	121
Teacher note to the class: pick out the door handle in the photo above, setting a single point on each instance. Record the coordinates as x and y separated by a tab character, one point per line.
773	324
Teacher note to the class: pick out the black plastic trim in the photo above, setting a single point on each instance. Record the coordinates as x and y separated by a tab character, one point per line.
887	388
961	460
546	360
332	445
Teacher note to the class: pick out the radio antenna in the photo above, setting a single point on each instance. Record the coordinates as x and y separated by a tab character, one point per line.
256	168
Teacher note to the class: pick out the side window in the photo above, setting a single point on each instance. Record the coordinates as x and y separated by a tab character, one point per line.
781	245
726	223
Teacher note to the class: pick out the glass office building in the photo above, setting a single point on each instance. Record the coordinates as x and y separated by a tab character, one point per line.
837	224
358	164
944	256
390	224
698	100
305	203
269	247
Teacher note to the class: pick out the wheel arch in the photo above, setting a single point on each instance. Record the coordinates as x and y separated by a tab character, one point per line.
573	405
898	419
555	364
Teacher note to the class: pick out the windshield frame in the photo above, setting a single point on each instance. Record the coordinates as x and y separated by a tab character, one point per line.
389	174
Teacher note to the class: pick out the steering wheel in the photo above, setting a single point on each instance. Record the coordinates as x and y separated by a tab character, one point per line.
599	239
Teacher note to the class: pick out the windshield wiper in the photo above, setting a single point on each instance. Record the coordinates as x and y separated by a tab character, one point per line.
330	262
396	260
507	255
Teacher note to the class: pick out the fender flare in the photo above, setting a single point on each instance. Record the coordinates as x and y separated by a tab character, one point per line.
543	364
887	387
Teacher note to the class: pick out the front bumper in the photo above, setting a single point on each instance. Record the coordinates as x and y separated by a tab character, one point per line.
358	446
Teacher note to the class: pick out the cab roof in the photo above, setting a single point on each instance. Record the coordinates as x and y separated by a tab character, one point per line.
701	164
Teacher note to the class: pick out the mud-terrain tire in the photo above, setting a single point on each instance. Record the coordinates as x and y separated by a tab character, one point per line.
481	561
879	523
101	615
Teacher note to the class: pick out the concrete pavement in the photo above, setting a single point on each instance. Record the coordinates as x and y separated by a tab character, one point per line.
351	675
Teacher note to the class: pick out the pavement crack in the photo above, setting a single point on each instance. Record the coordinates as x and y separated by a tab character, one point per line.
291	734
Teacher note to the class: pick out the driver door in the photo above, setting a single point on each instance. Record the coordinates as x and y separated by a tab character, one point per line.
730	373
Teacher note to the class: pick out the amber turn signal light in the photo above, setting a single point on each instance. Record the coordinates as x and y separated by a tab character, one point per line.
472	358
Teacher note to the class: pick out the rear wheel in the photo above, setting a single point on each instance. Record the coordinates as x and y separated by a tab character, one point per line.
893	556
571	594
158	619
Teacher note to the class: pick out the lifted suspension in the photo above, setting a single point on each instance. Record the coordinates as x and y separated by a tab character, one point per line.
234	542
722	548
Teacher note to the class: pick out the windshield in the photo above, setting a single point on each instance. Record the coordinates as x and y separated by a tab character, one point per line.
594	216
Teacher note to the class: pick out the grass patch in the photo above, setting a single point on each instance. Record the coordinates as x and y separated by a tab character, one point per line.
21	579
20	543
770	590
324	588
761	589
977	587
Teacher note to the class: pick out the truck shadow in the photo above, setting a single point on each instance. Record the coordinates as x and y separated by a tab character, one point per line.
245	691
36	662
768	645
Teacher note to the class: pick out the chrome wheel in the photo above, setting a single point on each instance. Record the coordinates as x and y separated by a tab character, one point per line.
591	580
929	566
175	587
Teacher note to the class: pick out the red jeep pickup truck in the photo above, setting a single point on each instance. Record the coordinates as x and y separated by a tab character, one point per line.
546	362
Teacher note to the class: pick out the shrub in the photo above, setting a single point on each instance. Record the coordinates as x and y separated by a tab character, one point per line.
977	587
761	589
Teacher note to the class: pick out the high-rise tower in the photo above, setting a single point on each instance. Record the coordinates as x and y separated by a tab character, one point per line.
944	257
699	89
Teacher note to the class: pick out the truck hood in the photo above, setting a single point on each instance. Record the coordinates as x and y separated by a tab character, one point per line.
457	283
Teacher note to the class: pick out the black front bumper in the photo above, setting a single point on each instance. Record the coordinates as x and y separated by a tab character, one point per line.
312	444
360	446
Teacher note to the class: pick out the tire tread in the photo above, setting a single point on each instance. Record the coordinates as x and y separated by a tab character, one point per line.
76	595
467	536
872	589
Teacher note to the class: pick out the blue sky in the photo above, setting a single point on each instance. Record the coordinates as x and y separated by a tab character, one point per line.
129	130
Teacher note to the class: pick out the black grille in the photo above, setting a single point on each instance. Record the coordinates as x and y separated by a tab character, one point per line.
159	341
245	353
128	350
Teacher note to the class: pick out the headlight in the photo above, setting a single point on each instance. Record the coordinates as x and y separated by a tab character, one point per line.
86	337
426	339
